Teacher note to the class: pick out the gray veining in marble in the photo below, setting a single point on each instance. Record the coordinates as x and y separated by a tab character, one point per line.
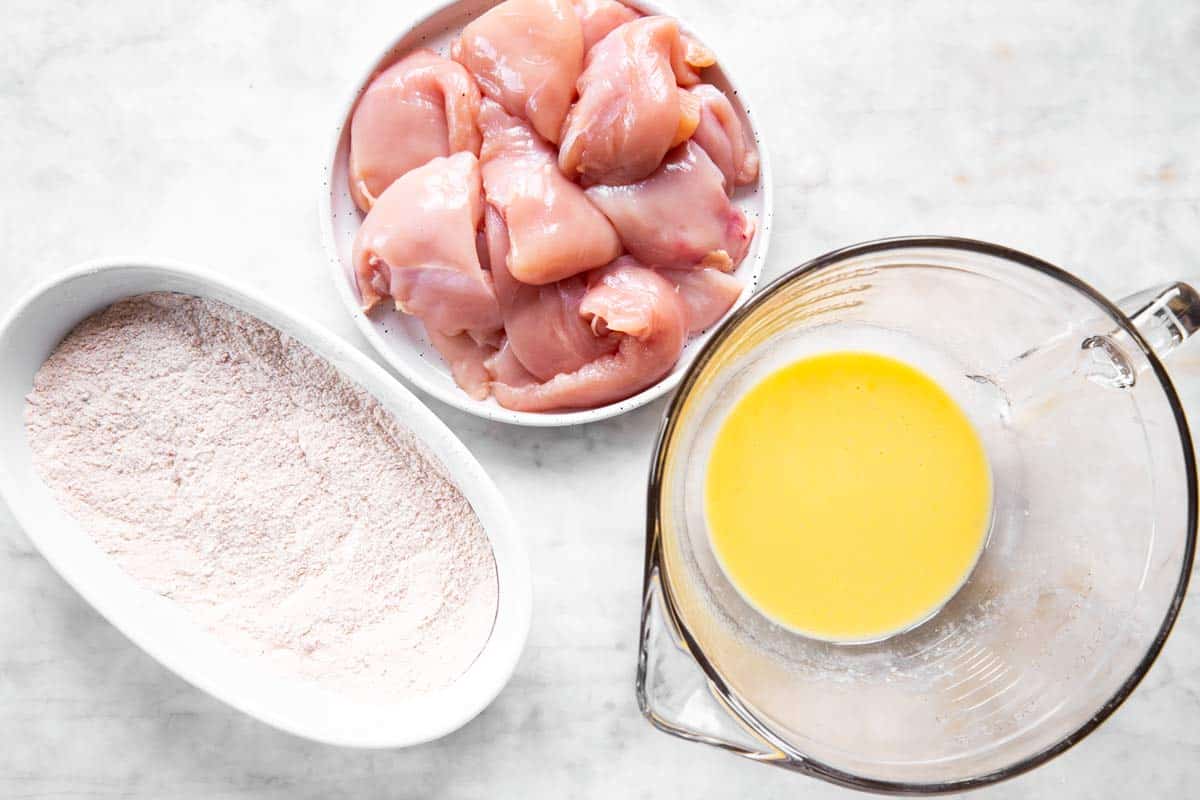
194	131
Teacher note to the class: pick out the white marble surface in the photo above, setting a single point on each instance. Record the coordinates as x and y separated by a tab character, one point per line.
195	131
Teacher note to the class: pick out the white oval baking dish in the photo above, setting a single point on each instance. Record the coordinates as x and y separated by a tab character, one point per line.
161	628
399	338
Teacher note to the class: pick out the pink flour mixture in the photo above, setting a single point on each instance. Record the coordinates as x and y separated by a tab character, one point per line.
227	467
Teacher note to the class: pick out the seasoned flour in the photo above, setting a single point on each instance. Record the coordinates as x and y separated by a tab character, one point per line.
230	469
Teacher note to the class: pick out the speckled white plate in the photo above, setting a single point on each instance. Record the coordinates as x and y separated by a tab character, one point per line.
399	338
163	628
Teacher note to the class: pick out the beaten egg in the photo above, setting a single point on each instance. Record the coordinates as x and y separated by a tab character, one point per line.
847	496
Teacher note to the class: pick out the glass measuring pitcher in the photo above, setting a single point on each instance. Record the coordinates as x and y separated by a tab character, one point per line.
1086	562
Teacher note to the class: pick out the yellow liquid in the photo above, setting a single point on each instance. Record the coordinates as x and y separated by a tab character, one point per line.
848	496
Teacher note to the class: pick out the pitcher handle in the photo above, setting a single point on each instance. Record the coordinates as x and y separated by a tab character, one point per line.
1166	316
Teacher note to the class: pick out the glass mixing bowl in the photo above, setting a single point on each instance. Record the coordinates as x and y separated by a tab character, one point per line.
1085	565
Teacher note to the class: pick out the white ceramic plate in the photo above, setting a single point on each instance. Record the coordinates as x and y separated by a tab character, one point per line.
399	338
162	628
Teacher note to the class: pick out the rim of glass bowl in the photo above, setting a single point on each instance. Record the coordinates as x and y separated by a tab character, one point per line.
815	767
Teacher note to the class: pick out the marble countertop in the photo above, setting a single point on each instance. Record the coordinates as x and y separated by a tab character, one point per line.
195	131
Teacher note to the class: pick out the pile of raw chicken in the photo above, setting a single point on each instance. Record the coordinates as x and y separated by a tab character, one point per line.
553	200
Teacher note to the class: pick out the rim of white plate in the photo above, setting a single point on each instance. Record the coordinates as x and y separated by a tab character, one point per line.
430	375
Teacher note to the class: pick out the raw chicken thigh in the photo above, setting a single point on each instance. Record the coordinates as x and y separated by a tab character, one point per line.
643	310
466	358
631	110
535	290
526	55
554	230
421	107
706	294
601	17
417	245
723	138
504	367
546	332
680	216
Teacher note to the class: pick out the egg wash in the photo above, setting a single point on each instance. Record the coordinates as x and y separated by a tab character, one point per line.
847	496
